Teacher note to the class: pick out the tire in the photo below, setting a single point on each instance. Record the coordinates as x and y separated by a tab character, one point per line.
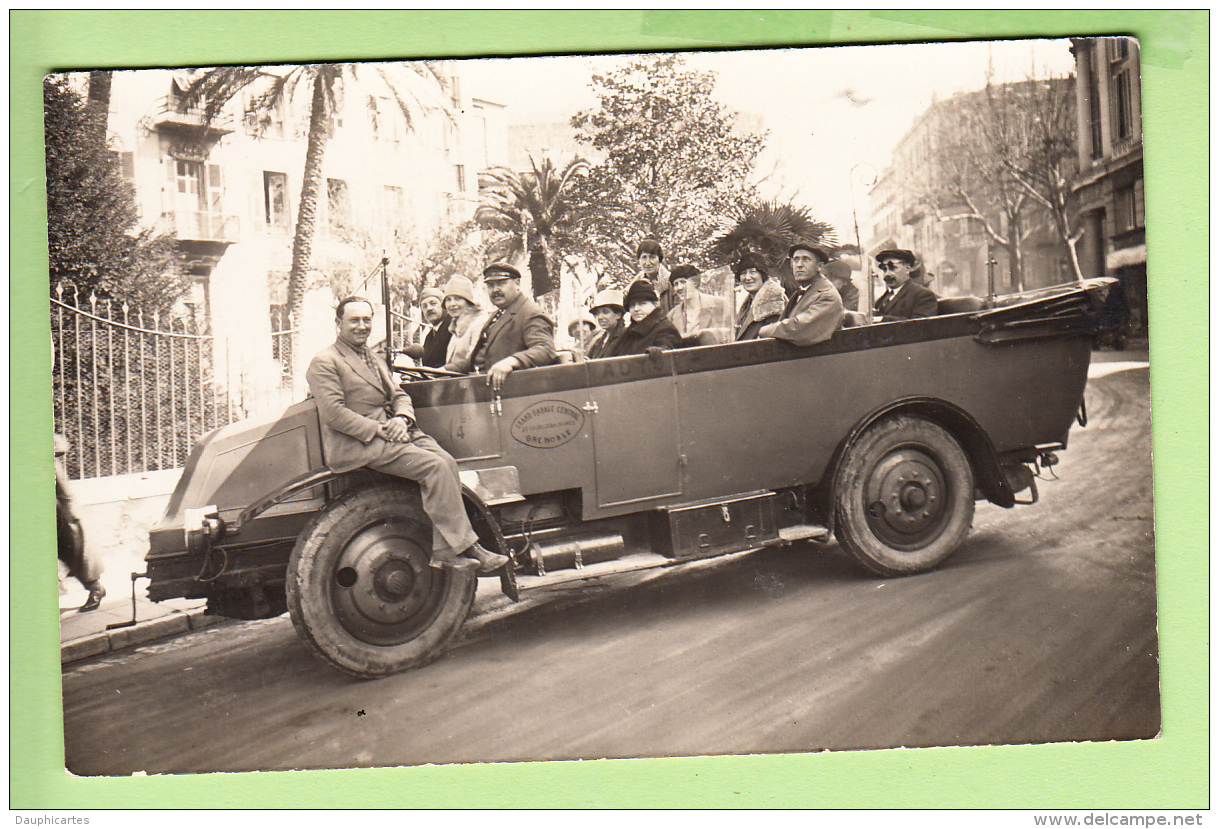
904	497
361	593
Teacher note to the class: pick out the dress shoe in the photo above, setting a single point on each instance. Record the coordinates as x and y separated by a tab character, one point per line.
488	562
96	594
453	562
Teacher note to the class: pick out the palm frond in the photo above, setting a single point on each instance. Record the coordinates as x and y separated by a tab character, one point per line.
768	229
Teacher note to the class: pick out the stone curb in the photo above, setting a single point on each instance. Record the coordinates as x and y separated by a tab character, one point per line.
141	633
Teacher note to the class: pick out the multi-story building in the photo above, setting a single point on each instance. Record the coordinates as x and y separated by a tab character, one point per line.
1109	187
958	251
229	190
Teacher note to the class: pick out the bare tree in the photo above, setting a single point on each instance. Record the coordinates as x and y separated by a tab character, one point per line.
1048	162
1003	159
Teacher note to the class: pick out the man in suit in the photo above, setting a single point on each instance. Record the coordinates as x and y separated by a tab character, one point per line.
518	335
368	421
814	313
905	299
436	343
431	352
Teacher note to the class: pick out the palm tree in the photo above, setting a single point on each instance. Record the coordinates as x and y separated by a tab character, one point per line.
534	213
768	229
415	87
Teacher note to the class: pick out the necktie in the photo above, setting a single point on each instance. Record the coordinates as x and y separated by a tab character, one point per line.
482	337
791	303
371	361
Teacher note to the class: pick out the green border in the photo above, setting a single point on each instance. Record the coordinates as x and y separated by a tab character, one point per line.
1171	772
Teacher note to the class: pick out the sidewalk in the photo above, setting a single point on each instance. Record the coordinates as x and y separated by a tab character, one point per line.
82	635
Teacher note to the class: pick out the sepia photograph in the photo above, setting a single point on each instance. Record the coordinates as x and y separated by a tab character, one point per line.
585	406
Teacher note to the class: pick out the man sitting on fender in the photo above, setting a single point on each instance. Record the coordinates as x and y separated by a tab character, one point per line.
368	421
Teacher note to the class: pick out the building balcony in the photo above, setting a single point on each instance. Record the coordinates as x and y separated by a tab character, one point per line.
201	226
170	116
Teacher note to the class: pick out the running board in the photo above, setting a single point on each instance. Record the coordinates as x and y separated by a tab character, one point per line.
627	564
804	532
652	561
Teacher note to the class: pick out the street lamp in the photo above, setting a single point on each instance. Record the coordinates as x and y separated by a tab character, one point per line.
866	179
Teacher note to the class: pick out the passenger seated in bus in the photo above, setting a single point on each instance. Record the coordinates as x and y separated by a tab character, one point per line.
467	323
609	311
701	319
838	273
764	297
435	331
650	257
582	330
649	329
518	335
815	312
905	299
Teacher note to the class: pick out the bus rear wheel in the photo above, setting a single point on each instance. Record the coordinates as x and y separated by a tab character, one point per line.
904	497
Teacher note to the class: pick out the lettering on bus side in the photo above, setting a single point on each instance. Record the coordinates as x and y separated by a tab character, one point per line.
547	424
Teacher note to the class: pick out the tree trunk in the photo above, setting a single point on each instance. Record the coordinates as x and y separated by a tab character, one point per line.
98	105
1015	257
306	218
1072	241
539	270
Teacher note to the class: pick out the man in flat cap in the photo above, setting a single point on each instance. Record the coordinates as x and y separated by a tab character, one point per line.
905	299
814	313
518	335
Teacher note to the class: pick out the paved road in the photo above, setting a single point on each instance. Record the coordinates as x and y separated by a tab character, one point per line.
1041	628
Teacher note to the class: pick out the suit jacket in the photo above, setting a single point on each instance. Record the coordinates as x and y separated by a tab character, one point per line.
353	401
521	330
436	344
815	316
912	301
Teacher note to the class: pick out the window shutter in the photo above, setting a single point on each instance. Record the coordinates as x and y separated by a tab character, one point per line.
215	189
169	189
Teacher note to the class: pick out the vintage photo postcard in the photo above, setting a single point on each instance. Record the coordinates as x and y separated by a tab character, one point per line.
586	406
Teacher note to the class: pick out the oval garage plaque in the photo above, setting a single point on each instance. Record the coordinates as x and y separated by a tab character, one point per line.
548	424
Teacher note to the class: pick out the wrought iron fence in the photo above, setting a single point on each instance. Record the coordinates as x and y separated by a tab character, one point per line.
132	393
283	340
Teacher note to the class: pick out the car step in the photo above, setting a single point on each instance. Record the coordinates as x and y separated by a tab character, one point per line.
803	532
